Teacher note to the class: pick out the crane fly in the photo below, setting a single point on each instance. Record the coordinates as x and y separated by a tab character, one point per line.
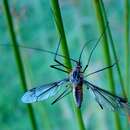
77	80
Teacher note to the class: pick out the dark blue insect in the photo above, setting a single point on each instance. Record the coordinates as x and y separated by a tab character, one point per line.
77	80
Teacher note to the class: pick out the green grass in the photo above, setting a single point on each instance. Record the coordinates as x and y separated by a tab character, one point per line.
127	40
18	59
106	54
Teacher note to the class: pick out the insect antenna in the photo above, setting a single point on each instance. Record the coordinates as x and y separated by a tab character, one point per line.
40	50
83	49
90	55
98	41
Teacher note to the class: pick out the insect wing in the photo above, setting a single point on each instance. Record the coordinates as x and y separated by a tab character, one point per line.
42	92
107	100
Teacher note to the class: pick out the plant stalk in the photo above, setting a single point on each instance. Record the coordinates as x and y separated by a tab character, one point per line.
127	46
113	49
61	32
106	53
18	58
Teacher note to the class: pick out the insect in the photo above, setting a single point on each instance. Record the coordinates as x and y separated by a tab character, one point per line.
77	80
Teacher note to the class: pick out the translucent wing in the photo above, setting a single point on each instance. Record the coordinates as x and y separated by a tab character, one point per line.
107	100
42	92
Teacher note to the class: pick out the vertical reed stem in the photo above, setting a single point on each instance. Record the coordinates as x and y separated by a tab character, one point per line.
113	50
18	58
127	46
101	23
61	32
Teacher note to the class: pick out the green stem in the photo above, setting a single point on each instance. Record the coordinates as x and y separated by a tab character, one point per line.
105	42
61	32
127	46
113	49
101	23
18	58
60	28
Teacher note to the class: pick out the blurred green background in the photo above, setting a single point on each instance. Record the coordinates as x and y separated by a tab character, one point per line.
35	27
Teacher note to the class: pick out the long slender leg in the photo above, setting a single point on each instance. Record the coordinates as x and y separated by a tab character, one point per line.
55	57
98	40
63	94
100	70
92	52
55	67
83	49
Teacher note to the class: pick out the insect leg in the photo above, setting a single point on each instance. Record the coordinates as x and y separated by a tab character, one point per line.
55	67
100	70
63	94
98	41
55	57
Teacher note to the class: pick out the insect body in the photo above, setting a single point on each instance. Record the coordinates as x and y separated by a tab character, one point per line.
77	80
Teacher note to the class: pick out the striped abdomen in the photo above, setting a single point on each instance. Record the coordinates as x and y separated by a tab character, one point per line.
78	95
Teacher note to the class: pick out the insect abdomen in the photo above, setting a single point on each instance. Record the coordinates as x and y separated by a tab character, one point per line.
78	95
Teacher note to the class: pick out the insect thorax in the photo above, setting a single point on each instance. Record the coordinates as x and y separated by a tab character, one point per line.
76	77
